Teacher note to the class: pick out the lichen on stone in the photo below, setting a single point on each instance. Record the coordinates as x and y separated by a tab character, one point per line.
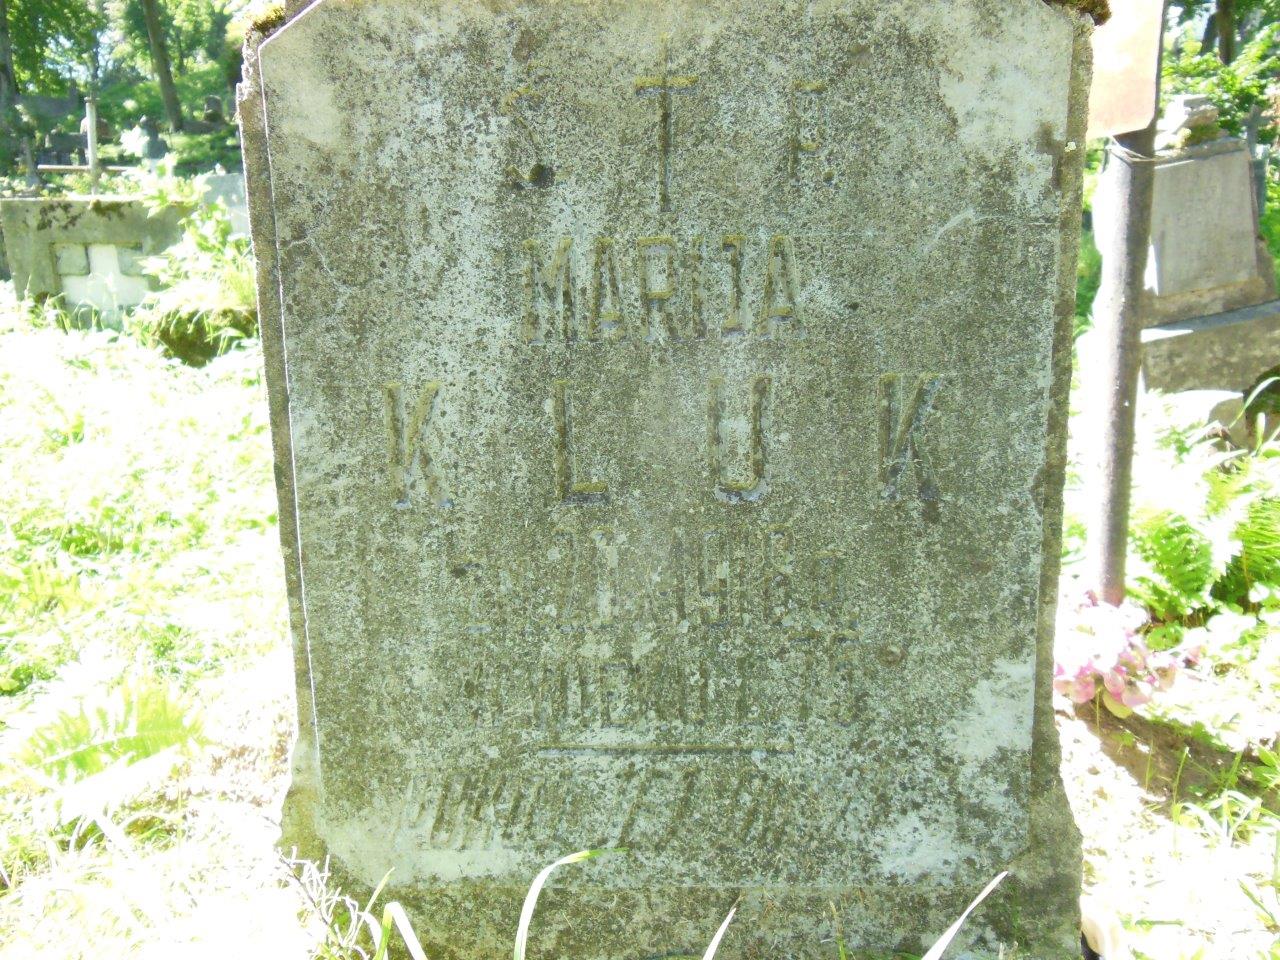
1099	10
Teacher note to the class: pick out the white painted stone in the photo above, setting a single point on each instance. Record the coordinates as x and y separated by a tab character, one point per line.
106	287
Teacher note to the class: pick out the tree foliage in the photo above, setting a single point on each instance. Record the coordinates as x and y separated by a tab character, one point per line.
1238	89
1243	20
194	30
1268	10
53	41
57	41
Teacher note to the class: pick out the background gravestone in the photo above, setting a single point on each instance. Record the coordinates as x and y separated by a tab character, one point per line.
1207	274
1210	315
669	409
87	249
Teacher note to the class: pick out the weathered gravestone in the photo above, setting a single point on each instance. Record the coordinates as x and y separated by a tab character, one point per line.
87	249
669	404
1210	317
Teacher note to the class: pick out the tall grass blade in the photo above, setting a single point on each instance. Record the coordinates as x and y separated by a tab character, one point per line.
531	898
714	945
393	914
842	952
1255	393
939	948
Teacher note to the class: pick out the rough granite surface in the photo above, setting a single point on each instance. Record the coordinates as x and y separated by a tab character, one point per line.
669	407
1230	351
1097	10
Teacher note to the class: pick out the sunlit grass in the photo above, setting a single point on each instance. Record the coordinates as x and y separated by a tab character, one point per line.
139	576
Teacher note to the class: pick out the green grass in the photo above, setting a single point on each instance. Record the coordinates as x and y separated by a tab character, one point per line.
104	524
139	577
1088	278
1270	221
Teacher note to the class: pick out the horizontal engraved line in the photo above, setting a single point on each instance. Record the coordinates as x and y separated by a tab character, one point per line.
670	748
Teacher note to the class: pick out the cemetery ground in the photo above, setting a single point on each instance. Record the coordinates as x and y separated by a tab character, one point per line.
145	679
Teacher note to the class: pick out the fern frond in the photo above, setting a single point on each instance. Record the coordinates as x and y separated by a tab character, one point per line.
130	723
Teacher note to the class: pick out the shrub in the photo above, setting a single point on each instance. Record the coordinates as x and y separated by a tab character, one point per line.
206	301
1270	221
1237	89
1203	573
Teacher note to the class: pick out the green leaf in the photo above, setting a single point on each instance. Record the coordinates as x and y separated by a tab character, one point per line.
1175	566
129	723
393	914
535	889
939	948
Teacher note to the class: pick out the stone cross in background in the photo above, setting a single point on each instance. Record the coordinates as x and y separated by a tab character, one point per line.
88	250
694	488
102	276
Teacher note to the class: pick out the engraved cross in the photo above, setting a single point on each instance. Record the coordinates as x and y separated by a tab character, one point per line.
664	84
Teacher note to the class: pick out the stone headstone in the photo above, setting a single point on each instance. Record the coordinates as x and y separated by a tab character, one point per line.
86	249
104	129
154	146
62	147
229	188
1226	351
1206	256
669	408
212	112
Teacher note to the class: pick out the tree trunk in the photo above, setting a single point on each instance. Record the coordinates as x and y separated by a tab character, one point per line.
160	60
1226	30
8	95
1210	38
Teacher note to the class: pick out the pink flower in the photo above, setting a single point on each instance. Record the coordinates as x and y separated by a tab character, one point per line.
1134	655
1136	695
1098	642
1085	691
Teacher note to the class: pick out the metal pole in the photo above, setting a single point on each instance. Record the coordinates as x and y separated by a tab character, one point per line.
1111	378
91	115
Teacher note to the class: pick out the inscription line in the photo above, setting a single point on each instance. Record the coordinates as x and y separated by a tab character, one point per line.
667	748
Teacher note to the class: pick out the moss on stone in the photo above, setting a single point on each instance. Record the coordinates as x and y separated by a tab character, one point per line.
1099	10
267	18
